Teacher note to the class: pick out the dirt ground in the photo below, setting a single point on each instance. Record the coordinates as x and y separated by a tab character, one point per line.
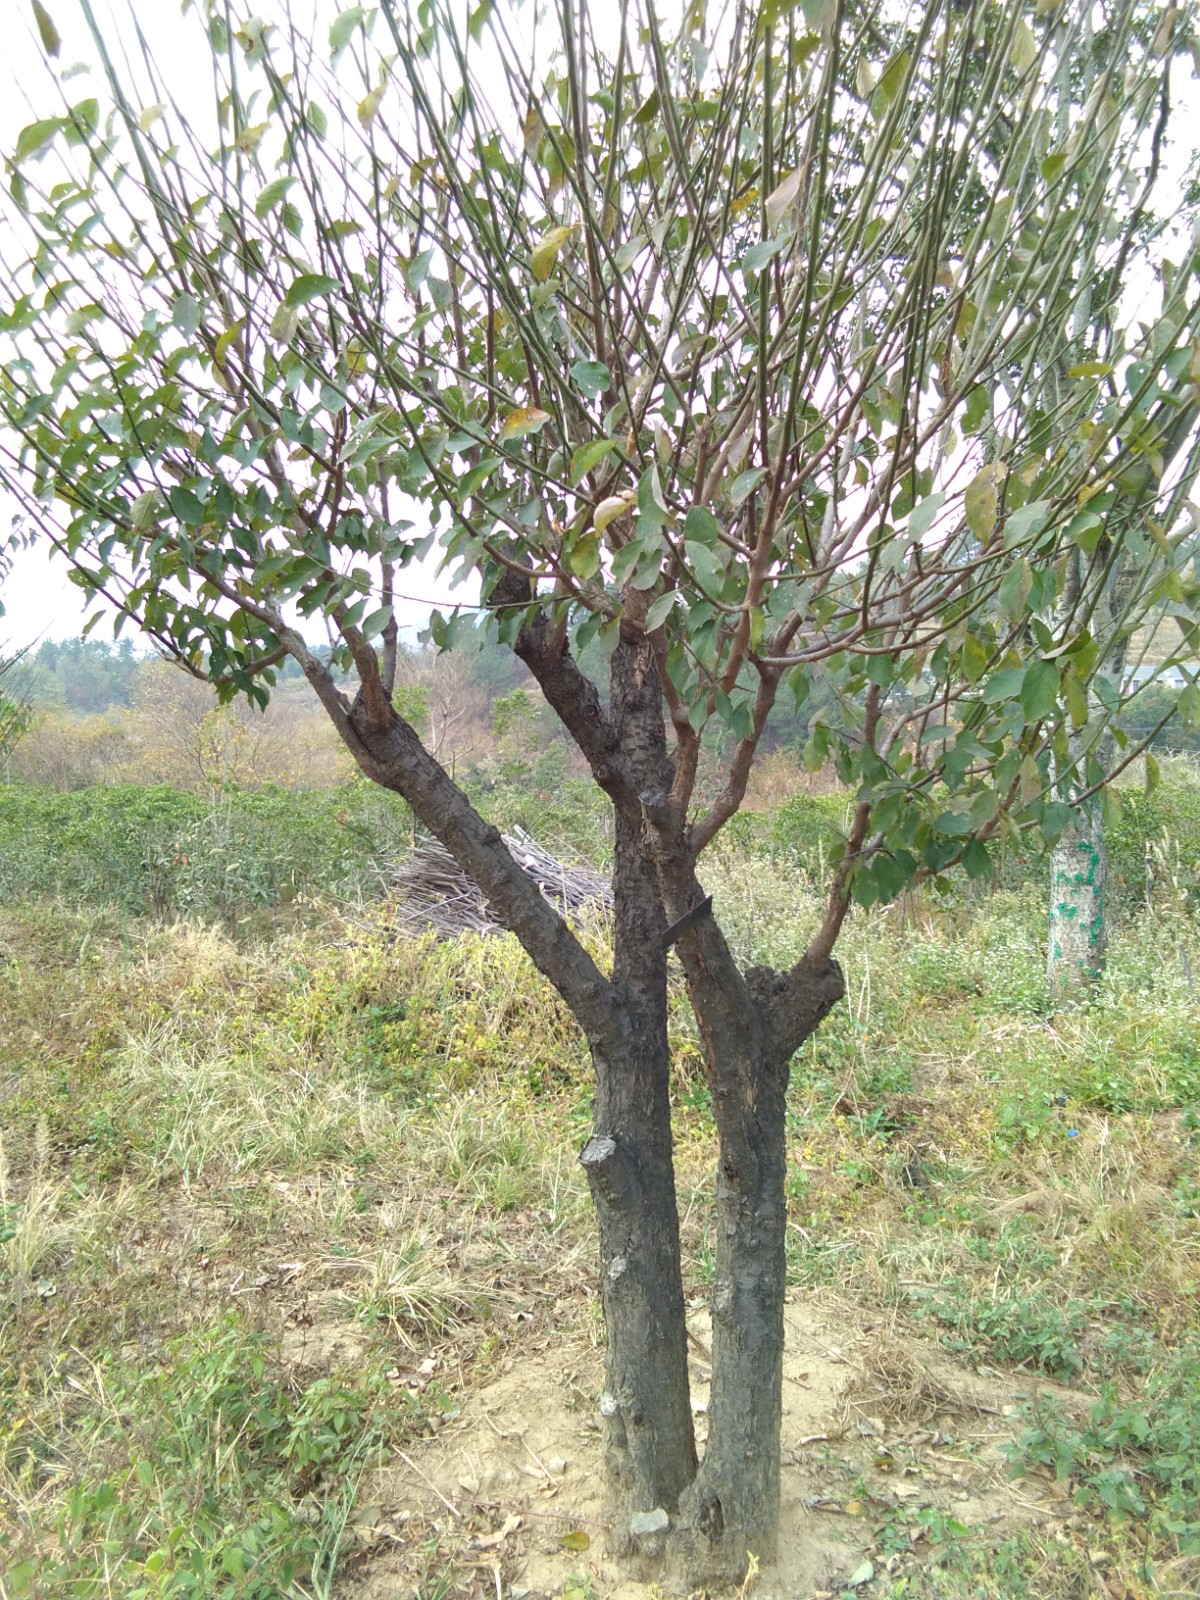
887	1445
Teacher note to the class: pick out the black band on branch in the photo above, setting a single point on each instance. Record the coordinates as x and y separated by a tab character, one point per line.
688	920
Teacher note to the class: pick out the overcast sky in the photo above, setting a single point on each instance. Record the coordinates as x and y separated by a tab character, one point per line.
38	597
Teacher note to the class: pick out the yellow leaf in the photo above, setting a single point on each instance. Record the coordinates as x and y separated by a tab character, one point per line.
615	506
781	200
523	422
251	138
151	115
226	339
51	40
982	500
1023	51
1164	36
545	252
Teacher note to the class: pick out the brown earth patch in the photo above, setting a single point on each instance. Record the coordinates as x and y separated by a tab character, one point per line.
887	1444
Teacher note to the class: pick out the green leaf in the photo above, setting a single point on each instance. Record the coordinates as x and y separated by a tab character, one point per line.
186	506
342	28
975	658
745	483
1087	529
954	825
922	517
185	314
82	122
979	406
648	109
589	456
1004	685
892	80
272	196
701	525
521	423
1056	819
310	286
1039	691
650	502
47	32
591	377
284	323
975	859
759	254
705	564
142	511
371	627
36	139
584	557
1023	51
1026	522
78	320
418	270
660	610
1014	590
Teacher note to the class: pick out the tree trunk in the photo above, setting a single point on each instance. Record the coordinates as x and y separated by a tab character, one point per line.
732	1508
629	1160
1078	909
750	1026
649	1440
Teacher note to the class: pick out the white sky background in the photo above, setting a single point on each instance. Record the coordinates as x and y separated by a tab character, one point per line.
39	599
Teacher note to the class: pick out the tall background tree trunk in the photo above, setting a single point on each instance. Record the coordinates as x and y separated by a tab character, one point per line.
1078	903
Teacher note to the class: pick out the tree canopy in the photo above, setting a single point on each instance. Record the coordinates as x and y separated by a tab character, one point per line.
737	331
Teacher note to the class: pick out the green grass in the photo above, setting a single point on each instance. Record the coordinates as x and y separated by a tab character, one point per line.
219	1141
202	1470
160	851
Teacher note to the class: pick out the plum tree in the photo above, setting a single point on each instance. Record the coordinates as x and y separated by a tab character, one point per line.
718	344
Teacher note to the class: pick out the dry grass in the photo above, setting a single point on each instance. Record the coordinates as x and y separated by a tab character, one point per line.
365	1150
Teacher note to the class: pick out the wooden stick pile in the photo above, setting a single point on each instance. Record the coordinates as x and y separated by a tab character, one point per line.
429	889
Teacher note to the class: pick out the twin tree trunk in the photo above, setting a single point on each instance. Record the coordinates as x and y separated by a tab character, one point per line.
693	1521
703	1518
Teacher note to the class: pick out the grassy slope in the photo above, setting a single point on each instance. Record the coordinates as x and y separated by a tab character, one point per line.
214	1153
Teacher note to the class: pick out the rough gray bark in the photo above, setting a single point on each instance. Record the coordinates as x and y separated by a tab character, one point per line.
708	1516
750	1028
649	1439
